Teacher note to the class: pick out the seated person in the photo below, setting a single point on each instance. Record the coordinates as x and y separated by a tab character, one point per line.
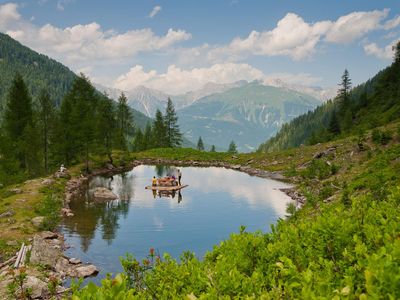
154	181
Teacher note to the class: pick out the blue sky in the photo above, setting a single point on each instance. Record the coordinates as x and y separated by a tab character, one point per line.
184	44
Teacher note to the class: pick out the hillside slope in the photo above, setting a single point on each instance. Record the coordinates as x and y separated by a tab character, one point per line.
374	103
39	71
247	114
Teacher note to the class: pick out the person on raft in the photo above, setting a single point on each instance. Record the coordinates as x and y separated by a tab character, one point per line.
179	176
154	181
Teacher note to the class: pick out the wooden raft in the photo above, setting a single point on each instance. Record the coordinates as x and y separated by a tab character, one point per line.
166	188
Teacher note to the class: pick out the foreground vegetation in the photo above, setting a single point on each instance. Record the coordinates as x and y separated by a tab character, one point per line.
344	243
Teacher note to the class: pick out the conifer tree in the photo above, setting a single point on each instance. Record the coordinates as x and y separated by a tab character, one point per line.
106	125
344	92
232	148
334	126
18	115
173	134
159	131
125	122
200	144
212	148
147	137
46	118
138	144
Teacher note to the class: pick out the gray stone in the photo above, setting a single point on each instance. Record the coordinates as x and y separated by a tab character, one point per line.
104	194
44	252
37	221
48	235
12	243
62	265
38	287
48	181
84	271
16	191
75	261
7	214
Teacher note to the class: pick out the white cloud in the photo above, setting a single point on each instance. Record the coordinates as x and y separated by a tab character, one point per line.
392	23
178	81
355	25
86	43
62	3
382	53
154	11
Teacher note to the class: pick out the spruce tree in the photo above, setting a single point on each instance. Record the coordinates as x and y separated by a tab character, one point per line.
173	134
18	115
147	137
125	122
159	131
200	144
138	144
334	126
106	126
232	148
212	148
344	93
46	117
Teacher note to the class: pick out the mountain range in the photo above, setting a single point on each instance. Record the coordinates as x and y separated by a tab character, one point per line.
246	112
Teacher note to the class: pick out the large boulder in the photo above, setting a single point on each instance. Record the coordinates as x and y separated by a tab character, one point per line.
37	221
84	271
104	194
39	289
44	251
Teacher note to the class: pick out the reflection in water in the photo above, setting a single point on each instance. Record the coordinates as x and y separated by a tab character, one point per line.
216	202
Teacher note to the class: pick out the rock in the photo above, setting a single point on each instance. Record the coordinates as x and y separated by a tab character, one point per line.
38	287
104	194
75	261
62	265
37	221
44	252
64	174
48	181
67	212
84	271
48	235
8	213
12	243
16	191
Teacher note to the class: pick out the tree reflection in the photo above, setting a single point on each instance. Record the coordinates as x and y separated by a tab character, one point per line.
90	214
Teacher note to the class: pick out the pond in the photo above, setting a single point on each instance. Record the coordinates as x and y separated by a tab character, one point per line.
215	204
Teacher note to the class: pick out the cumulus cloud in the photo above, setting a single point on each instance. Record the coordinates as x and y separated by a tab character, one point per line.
177	81
298	39
154	11
84	43
355	25
392	23
379	52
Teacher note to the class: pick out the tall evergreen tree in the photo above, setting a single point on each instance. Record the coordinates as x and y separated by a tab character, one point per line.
147	137
344	92
334	126
106	125
159	131
212	148
125	122
46	117
78	120
200	144
138	143
232	148
18	115
173	134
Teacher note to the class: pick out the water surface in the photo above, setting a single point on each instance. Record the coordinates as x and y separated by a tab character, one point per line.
215	204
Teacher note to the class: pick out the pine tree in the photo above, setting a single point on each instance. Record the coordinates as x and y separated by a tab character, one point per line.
232	148
334	126
159	131
106	125
138	144
46	116
200	145
147	137
344	92
78	121
212	148
125	122
18	115
173	135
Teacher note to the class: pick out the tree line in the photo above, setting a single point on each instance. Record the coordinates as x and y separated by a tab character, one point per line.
36	137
